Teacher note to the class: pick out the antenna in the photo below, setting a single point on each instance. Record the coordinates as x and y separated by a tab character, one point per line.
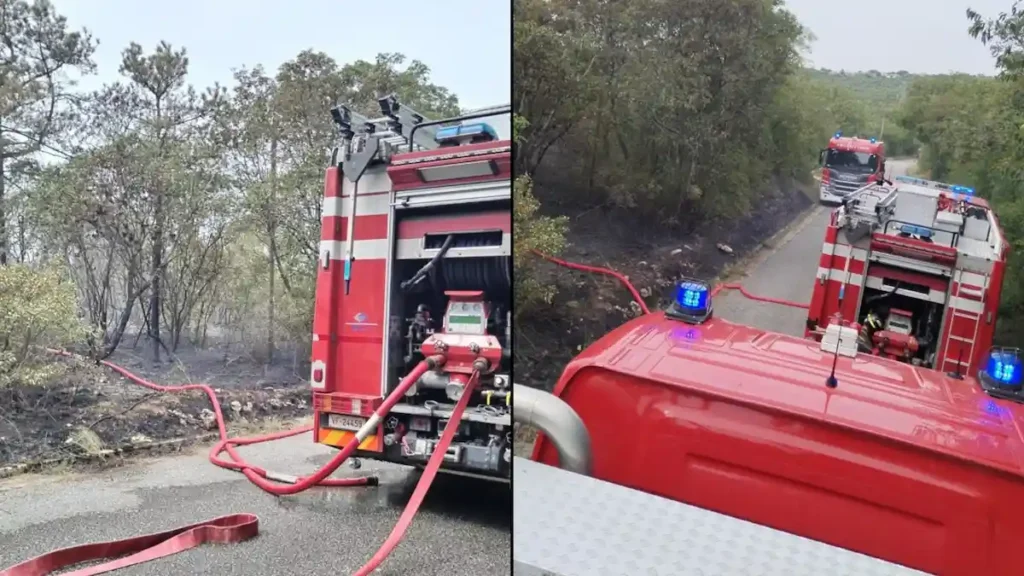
831	381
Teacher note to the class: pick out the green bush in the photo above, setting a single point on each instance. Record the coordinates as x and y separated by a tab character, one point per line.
37	308
531	231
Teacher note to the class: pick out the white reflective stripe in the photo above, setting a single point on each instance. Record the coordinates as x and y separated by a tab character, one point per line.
369	205
362	249
966	305
876	283
910	264
973	279
837	275
376	181
843	250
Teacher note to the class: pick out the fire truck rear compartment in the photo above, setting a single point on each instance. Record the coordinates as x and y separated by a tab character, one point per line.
448	262
912	293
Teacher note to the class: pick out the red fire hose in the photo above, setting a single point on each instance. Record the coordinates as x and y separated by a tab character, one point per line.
240	527
640	301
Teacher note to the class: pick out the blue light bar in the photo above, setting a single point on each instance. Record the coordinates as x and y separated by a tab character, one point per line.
839	134
1004	368
465	131
916	230
873	140
965	190
692	301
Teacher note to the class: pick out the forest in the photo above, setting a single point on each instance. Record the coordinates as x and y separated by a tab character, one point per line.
157	210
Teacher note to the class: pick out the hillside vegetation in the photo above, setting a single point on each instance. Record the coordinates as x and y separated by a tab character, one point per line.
872	101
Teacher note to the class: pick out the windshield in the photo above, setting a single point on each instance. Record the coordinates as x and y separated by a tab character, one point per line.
852	161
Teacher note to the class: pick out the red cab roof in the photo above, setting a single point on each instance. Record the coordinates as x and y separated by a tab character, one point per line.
862	145
892	400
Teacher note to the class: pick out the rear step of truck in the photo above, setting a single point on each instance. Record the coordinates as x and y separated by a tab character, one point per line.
566	524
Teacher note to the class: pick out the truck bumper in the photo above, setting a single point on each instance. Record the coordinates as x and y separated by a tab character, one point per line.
827	197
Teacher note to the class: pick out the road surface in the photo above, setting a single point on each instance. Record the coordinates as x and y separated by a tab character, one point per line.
463	527
787	272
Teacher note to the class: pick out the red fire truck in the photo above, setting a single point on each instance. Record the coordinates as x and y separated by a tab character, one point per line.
414	290
849	164
918	266
682	443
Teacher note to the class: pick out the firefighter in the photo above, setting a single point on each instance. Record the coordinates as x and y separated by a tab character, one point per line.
871	324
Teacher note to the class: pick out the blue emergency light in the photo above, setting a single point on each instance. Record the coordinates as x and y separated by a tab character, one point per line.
466	132
692	302
912	230
965	190
873	140
1003	369
839	134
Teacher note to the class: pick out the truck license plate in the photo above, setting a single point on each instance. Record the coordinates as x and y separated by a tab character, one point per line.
345	422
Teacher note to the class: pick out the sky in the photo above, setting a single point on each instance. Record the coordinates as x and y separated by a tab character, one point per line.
466	43
922	36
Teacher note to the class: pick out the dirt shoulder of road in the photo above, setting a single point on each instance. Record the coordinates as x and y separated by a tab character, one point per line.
92	416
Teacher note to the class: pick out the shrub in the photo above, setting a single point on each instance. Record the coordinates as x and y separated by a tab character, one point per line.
37	308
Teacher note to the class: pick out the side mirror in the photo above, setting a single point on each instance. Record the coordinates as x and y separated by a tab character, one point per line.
821	157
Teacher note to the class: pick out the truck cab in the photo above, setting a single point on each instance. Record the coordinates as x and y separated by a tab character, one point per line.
758	452
848	164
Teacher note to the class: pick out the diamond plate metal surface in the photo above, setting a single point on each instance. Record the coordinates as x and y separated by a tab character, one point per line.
565	524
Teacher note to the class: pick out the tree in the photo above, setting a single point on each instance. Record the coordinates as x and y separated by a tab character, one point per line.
256	134
970	130
37	52
173	121
1003	36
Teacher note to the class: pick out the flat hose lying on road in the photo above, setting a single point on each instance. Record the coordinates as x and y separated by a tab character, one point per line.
240	527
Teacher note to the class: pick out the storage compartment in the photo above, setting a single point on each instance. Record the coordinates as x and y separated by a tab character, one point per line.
948	225
915	208
977	227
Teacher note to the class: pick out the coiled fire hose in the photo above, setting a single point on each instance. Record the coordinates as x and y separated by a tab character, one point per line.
240	527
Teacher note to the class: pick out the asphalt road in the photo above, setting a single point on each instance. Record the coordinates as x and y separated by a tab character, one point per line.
463	527
786	272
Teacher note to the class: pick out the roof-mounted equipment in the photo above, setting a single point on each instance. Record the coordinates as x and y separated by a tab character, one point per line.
692	302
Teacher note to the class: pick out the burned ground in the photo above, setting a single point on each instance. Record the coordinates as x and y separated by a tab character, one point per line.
91	410
653	257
